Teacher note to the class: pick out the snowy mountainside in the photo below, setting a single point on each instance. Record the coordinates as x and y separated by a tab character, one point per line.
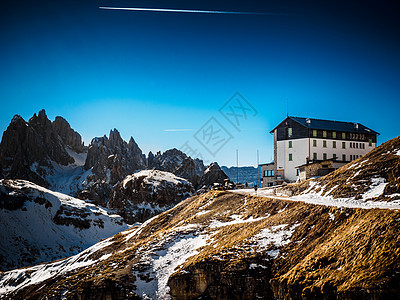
39	225
147	193
222	245
246	174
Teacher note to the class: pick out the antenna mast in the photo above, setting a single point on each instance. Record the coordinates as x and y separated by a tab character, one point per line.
287	107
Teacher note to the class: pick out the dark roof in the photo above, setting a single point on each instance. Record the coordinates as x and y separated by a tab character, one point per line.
331	125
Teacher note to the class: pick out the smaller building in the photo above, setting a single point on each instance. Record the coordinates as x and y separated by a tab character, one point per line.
318	168
270	177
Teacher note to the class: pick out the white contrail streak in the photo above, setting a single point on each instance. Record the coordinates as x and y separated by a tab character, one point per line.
192	11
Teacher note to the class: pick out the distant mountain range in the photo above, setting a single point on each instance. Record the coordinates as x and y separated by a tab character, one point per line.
246	174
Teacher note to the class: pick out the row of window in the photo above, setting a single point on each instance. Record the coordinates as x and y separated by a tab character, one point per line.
352	144
325	157
324	144
343	135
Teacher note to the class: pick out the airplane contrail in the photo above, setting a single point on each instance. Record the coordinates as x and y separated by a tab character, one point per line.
193	11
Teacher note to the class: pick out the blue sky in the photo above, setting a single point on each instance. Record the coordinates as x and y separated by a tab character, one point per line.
159	77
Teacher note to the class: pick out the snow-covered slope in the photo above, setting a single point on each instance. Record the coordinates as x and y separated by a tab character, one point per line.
147	193
222	245
38	225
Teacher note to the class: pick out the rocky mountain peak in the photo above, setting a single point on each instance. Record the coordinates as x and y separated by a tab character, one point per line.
213	174
18	119
111	159
69	136
178	163
28	150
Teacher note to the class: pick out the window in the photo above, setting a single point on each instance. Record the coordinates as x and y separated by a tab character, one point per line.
334	156
324	144
325	156
344	157
343	135
314	143
314	156
343	145
370	142
269	173
334	144
290	144
297	172
314	133
290	131
324	133
290	156
351	145
334	135
357	145
351	157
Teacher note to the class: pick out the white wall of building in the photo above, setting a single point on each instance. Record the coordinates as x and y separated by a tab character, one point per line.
303	148
299	153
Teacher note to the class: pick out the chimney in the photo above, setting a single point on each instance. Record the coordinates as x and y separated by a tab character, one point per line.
308	121
356	126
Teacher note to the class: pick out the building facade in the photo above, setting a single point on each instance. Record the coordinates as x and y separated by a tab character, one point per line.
300	141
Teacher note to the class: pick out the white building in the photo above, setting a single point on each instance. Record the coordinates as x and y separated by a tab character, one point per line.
299	141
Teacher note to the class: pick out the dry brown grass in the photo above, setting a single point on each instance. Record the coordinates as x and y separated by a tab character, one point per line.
359	250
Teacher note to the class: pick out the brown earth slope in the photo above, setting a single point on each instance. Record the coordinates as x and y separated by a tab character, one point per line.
222	245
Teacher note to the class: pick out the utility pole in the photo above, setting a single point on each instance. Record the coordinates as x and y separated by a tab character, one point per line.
258	169
237	167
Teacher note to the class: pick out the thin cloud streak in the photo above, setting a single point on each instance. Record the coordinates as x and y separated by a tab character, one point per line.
177	130
192	11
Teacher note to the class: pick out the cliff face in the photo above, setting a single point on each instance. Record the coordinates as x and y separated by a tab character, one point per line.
70	137
110	160
29	149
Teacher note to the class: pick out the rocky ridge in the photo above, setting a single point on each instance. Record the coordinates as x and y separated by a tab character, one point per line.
178	163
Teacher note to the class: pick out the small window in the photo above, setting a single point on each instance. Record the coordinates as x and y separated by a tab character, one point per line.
290	156
334	135
297	172
325	156
314	133
343	135
324	134
265	173
351	145
324	144
351	157
334	156
357	145
334	144
344	157
314	143
343	145
290	131
290	144
314	156
370	142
